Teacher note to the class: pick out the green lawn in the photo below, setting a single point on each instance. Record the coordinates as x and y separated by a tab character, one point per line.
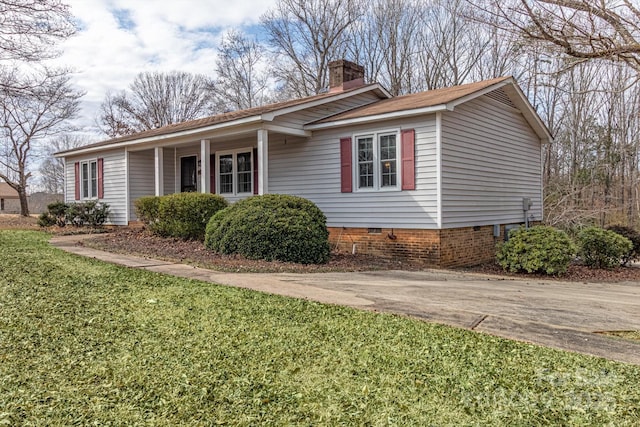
87	343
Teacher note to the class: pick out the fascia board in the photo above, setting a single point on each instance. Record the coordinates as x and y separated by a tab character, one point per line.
376	117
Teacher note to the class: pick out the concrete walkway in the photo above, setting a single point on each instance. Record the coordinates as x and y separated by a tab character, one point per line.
554	314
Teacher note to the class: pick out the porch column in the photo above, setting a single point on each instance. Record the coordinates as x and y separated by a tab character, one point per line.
263	161
159	172
205	166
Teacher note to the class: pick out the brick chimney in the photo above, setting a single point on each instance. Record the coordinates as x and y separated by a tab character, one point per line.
345	75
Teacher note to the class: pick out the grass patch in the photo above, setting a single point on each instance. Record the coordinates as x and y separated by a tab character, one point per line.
84	342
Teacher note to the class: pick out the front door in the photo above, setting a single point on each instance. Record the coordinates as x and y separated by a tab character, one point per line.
189	174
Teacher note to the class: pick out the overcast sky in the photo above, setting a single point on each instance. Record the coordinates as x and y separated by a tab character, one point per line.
118	39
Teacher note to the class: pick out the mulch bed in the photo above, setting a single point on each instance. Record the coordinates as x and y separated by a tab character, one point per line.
142	243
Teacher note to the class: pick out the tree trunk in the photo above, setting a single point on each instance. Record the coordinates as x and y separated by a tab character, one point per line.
24	203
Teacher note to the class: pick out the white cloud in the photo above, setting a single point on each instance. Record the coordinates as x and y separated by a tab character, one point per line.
121	38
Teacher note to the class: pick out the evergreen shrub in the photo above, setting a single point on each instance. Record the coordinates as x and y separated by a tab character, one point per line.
601	248
539	249
271	227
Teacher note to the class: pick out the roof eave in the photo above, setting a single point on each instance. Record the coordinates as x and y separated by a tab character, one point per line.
158	138
376	117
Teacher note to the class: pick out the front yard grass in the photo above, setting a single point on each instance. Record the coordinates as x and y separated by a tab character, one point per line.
88	343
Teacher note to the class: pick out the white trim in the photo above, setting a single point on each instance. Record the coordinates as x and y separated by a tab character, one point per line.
156	138
159	170
127	193
439	170
375	135
263	161
384	116
530	114
234	170
90	195
288	130
205	166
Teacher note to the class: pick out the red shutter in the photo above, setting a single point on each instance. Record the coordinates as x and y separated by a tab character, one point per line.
255	171
408	159
346	175
77	178
212	173
100	178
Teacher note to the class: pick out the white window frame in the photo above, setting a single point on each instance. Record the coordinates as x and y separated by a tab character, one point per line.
234	174
377	170
89	187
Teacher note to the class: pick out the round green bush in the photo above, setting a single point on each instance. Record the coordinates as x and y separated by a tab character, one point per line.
634	236
539	249
271	227
601	248
185	215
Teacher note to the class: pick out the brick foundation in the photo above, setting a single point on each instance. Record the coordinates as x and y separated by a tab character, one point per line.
455	247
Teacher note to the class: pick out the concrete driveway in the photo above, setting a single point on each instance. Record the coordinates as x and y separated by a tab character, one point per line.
554	314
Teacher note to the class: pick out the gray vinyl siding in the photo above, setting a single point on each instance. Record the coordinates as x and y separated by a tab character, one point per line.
141	177
169	170
311	169
115	187
491	160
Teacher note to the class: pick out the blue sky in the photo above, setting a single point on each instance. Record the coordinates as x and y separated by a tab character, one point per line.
121	38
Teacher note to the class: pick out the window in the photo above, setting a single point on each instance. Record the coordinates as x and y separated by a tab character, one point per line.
377	157
89	179
235	172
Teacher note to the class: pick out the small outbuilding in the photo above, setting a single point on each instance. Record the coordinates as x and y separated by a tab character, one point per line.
433	177
9	199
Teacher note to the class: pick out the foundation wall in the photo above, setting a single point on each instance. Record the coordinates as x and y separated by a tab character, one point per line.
454	247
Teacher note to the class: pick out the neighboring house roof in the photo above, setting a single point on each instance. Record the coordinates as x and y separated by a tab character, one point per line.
6	192
265	112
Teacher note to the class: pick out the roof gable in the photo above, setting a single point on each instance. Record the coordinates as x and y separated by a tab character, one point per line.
431	101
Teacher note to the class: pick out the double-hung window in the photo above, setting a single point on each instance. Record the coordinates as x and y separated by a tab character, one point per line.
89	179
377	161
235	172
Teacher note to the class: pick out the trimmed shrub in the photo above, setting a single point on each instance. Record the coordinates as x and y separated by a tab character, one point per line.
539	249
90	213
634	236
601	248
271	227
147	209
185	215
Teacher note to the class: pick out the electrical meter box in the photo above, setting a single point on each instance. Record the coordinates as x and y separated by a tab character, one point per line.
526	204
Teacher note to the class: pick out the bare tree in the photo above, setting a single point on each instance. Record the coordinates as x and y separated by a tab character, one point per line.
585	29
29	29
29	116
52	168
155	100
306	35
242	74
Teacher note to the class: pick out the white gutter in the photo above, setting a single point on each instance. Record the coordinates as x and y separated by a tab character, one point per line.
157	138
376	117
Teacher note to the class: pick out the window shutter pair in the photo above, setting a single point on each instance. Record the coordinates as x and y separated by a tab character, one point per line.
407	152
100	164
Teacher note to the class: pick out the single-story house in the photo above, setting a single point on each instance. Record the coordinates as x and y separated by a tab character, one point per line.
433	176
9	199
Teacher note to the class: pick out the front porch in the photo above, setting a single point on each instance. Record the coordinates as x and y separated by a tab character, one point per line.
234	166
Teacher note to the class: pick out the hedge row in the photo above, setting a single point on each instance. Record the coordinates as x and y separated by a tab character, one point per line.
180	215
543	249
